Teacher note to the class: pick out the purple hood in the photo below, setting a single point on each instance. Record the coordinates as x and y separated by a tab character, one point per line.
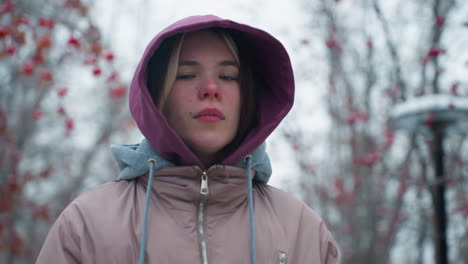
273	101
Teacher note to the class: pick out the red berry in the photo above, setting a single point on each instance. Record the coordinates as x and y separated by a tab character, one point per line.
4	31
69	124
97	71
28	68
6	8
74	42
11	50
62	92
436	51
333	44
44	42
46	22
109	56
118	92
46	76
61	111
112	77
440	21
38	57
37	115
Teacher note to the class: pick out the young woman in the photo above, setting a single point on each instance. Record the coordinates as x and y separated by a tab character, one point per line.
206	95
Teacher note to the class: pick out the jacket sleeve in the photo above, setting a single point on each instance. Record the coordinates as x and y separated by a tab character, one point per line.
62	244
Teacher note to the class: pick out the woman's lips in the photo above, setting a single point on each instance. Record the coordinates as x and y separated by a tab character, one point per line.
209	115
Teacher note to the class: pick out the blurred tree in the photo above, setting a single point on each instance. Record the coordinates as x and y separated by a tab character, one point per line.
373	185
60	102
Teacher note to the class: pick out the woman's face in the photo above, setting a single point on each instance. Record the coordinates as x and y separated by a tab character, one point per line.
204	104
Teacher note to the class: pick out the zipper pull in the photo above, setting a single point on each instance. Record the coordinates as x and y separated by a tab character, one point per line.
282	258
204	184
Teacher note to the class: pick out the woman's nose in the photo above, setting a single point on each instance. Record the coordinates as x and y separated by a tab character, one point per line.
209	89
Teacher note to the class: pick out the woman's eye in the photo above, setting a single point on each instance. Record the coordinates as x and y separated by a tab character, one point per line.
185	76
228	78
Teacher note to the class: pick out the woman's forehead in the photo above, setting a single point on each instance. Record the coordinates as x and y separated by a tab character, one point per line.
203	43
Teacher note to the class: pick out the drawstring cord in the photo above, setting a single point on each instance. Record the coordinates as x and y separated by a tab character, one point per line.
151	164
253	252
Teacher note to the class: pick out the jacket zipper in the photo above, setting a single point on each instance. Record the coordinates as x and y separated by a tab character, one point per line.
204	184
282	258
201	210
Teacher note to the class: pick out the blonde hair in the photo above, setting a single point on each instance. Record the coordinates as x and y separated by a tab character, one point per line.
173	63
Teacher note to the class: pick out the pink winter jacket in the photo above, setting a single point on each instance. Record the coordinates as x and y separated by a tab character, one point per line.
104	225
196	214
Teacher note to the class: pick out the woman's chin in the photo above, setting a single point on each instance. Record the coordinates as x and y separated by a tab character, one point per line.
208	146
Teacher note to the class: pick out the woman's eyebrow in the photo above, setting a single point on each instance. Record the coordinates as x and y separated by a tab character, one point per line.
188	63
228	63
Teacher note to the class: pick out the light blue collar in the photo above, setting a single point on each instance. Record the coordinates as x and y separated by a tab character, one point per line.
132	161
